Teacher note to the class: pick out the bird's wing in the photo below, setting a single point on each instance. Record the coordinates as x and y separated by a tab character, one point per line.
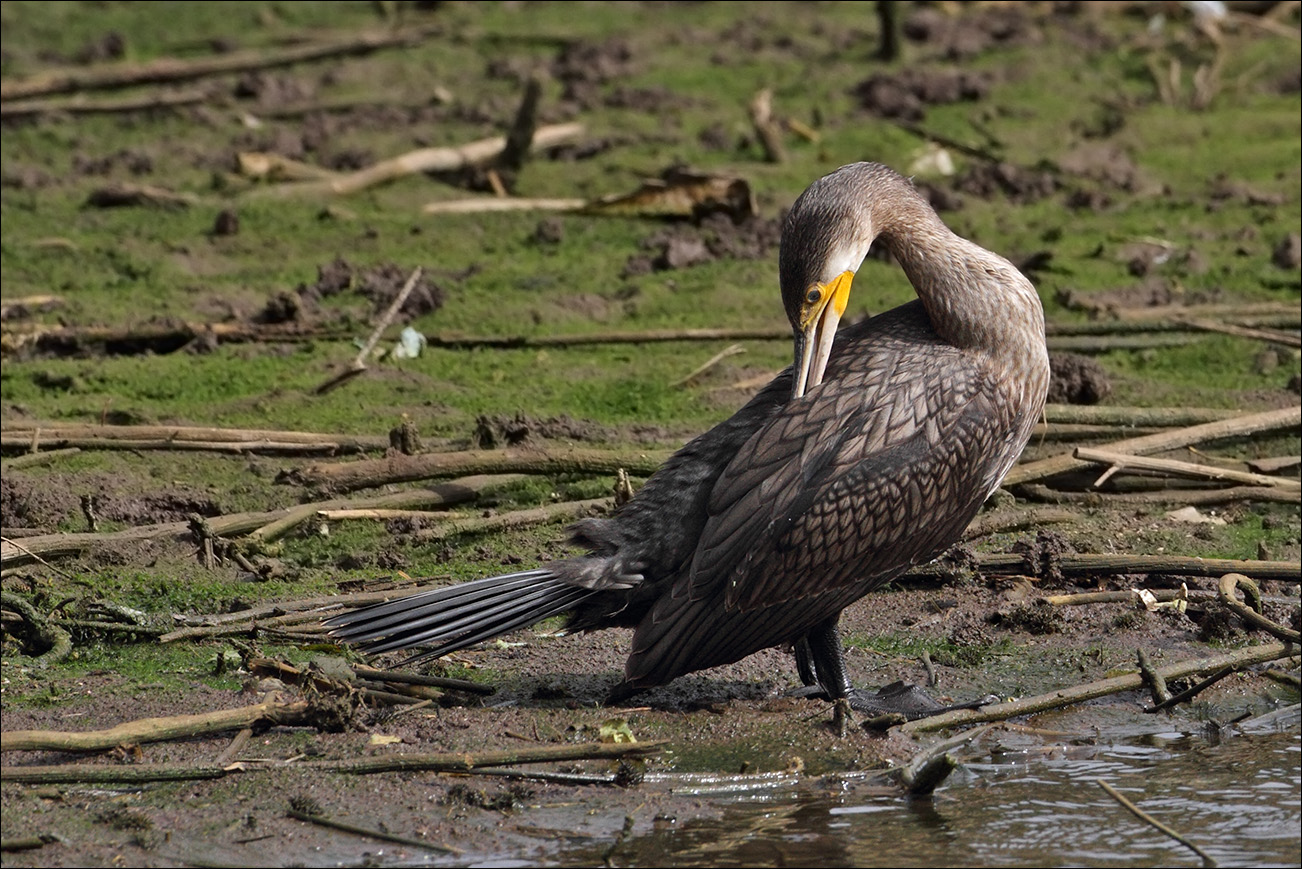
858	481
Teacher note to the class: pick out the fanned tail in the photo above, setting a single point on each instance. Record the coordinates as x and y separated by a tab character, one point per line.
456	617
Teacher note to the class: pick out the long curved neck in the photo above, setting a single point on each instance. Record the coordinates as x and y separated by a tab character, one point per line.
976	299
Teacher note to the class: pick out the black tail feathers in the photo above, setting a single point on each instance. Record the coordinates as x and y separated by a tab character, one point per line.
456	617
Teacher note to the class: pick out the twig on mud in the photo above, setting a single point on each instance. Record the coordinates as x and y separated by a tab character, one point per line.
1153	679
1122	461
26	843
1241	426
1101	688
383	515
1002	522
1252	616
565	511
348	476
30	557
650	336
1132	417
236	746
161	729
122	194
519	139
564	778
1292	680
446	159
166	69
81	105
50	642
359	363
456	491
496	204
322	821
1275	336
931	766
766	128
1194	497
1156	824
422	679
446	762
731	350
1104	564
16	435
157	338
32	460
1193	691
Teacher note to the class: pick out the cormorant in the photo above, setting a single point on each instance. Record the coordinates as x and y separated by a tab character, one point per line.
870	455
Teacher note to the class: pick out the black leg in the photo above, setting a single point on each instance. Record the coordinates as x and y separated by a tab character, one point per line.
820	660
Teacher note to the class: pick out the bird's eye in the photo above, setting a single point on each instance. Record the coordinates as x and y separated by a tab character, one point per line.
813	296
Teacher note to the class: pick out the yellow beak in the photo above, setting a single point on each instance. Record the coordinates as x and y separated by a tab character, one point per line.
825	303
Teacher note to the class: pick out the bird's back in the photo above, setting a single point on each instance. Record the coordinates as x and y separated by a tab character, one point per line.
878	468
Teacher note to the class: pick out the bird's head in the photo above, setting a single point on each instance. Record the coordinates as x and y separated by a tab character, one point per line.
825	238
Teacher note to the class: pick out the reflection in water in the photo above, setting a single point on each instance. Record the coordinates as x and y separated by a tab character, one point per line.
1241	801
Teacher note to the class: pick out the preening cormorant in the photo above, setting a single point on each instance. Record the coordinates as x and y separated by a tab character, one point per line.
870	455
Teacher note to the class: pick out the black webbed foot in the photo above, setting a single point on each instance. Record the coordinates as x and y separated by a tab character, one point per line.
910	701
820	660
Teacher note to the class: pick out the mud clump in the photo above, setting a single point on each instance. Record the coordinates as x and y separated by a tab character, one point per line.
961	37
907	94
715	237
1076	379
1038	618
505	800
379	284
1288	253
1016	183
494	432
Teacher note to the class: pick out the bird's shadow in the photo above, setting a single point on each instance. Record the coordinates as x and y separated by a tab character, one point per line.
592	690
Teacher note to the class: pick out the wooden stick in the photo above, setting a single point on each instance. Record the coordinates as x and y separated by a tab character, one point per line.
235	747
32	460
1163	417
1226	592
446	494
493	204
1081	693
323	821
166	69
83	105
340	515
519	139
1185	469
515	519
1108	564
449	762
349	476
262	526
14	554
250	447
1275	336
731	350
447	159
1156	824
999	523
1241	426
421	679
1152	317
1198	497
157	729
766	128
359	363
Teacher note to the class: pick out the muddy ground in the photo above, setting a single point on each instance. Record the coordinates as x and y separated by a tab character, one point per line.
105	350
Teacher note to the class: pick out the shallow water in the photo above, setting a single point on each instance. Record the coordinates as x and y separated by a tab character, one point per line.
1015	801
1020	798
